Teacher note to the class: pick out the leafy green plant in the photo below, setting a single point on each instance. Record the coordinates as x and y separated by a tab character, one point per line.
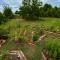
35	37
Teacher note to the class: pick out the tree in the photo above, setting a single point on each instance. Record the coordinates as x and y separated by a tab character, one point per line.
47	6
2	18
8	13
30	9
48	11
56	12
17	12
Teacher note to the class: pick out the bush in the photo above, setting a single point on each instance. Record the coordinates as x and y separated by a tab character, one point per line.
2	18
8	13
53	48
35	37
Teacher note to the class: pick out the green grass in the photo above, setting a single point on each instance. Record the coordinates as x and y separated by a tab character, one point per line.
16	27
46	22
52	45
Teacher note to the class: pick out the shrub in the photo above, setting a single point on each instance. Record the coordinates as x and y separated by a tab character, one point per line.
35	37
2	18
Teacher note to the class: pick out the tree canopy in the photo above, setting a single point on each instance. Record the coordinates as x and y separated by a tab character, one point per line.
33	9
30	9
8	13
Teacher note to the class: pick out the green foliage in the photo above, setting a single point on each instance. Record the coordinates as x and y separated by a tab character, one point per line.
22	39
53	48
33	10
30	10
48	11
8	13
17	12
2	18
35	37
